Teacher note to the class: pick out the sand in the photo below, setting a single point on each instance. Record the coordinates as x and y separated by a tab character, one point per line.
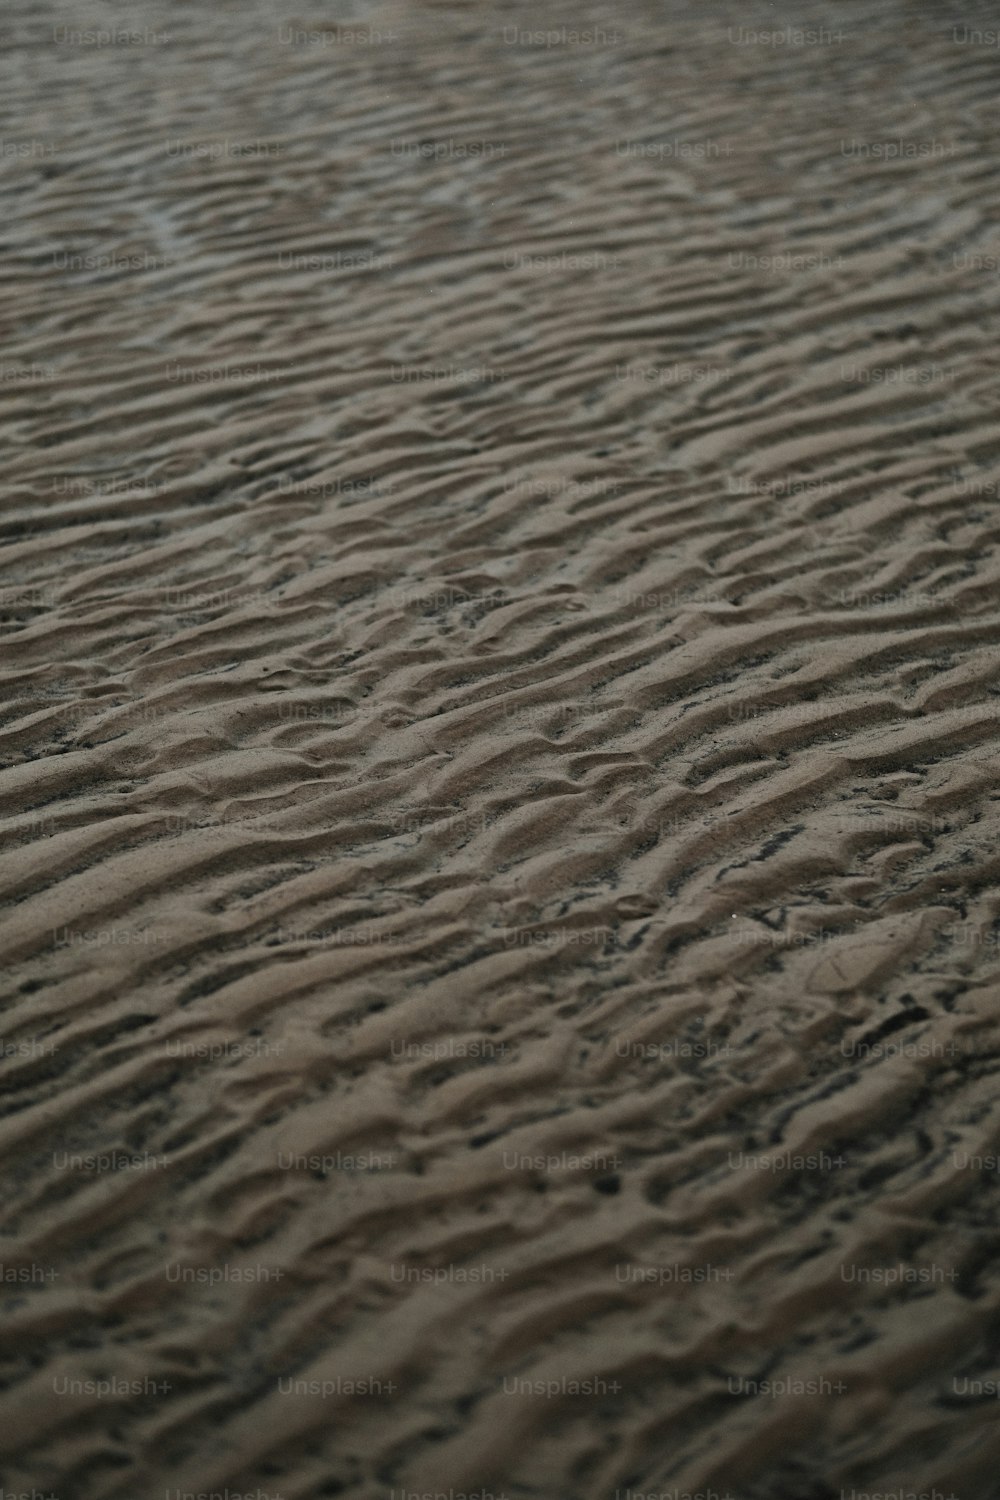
500	609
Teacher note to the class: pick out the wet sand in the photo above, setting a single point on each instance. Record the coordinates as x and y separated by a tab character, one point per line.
499	588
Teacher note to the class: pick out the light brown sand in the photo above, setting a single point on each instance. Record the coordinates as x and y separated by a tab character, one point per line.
459	823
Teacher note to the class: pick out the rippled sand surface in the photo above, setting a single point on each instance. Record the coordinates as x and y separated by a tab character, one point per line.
501	599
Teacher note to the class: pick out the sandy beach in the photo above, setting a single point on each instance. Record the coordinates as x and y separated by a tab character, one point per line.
500	603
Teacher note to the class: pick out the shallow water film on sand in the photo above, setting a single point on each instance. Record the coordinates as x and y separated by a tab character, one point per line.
500	601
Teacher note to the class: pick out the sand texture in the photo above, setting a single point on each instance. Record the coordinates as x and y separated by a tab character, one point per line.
500	593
